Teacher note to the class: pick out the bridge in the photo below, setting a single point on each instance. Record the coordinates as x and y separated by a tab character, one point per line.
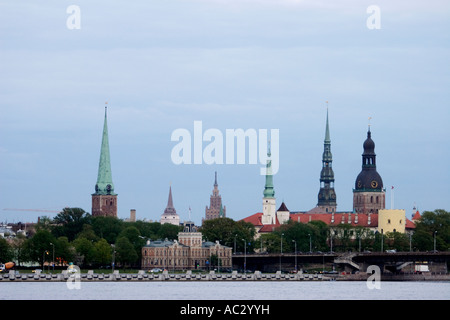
349	261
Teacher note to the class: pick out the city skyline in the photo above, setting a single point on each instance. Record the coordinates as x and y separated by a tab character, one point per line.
242	64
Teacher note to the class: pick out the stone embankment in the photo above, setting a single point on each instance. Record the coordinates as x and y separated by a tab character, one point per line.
163	276
14	276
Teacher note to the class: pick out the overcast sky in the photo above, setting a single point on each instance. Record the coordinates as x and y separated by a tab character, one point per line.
250	64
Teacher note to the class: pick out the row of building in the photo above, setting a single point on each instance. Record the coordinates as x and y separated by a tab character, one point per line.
190	251
369	199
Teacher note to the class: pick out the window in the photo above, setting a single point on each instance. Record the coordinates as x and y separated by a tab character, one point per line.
389	221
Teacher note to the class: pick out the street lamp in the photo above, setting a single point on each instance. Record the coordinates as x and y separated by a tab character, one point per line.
295	246
281	248
434	250
53	260
245	255
113	257
310	243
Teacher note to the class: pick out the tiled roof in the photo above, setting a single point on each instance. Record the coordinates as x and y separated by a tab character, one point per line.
283	207
339	218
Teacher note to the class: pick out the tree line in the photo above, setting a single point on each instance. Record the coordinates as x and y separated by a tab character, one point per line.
432	232
76	236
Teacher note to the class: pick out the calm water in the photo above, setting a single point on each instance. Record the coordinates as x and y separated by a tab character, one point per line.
225	290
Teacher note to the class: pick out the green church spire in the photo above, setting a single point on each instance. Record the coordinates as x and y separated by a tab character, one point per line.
269	192
104	180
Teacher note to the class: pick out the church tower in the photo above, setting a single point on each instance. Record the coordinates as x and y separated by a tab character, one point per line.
170	214
215	210
104	200
327	195
269	216
368	195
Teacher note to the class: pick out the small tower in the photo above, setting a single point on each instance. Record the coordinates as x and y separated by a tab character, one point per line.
368	195
215	210
327	195
170	214
269	208
104	200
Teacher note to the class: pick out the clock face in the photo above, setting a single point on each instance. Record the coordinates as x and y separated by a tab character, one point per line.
359	184
374	184
108	187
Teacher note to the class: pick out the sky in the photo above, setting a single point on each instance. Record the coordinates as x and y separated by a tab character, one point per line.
161	65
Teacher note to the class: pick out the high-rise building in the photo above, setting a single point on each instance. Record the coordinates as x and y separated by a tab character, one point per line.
327	195
216	209
368	194
104	200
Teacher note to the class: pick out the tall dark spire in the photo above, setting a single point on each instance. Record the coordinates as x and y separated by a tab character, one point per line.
170	209
327	195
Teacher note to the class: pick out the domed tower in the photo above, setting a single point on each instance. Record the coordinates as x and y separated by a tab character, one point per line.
368	195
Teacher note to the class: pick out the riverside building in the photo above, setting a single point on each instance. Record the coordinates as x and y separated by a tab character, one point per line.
189	252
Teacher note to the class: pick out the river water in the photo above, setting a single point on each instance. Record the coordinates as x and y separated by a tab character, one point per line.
227	290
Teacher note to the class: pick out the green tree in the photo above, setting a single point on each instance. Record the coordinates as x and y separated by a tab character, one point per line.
88	233
64	251
102	252
6	253
69	222
271	242
169	231
125	252
107	228
84	251
39	247
227	231
135	238
18	247
397	240
433	225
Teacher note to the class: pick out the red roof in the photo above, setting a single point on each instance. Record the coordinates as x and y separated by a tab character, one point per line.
254	219
416	216
339	218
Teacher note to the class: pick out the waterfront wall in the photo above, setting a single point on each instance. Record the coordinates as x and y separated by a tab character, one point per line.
12	276
164	276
